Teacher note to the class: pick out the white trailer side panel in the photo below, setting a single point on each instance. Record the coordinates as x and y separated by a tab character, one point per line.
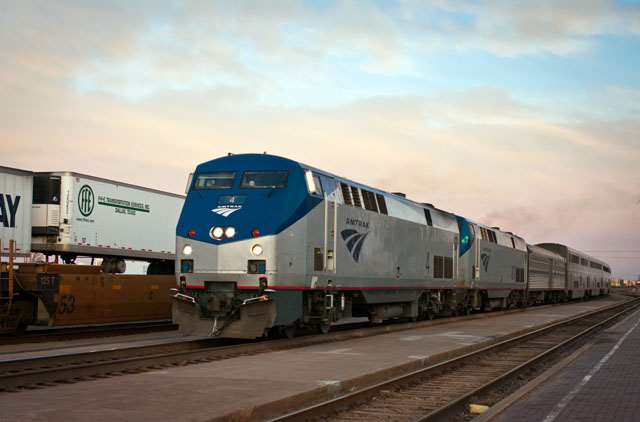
99	217
16	189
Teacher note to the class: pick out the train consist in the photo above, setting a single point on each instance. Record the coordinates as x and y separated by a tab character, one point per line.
70	215
266	243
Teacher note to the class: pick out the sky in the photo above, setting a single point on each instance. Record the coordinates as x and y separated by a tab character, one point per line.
518	114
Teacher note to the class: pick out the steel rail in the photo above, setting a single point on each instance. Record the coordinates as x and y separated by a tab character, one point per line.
16	373
42	335
459	403
19	372
341	402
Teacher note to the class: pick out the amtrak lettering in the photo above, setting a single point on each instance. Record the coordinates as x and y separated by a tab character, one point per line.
8	220
357	223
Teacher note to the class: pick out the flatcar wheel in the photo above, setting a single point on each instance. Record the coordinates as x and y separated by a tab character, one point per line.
20	329
289	331
323	327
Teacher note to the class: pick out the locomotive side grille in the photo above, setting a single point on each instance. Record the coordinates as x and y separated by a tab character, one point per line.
442	267
427	215
356	197
369	200
438	267
346	193
382	204
448	267
317	259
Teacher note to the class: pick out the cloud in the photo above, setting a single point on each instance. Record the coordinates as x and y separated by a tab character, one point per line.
134	49
513	28
142	93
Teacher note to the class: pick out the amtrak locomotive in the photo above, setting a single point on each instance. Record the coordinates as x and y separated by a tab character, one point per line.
267	243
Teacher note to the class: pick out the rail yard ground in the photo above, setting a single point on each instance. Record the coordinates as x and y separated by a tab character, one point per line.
257	387
599	382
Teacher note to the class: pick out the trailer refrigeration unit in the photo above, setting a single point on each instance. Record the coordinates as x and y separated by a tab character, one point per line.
79	215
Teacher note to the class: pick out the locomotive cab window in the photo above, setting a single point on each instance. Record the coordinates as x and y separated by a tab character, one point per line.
316	181
214	180
313	183
264	179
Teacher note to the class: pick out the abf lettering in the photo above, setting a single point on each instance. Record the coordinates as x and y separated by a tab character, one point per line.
8	219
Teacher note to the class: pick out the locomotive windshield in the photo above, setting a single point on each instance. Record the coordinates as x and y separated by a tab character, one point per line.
215	180
264	179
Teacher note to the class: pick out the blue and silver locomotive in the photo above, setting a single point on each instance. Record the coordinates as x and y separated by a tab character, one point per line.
266	243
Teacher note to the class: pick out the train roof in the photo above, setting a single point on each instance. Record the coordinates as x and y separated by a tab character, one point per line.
398	206
413	209
537	250
19	172
100	179
441	219
567	251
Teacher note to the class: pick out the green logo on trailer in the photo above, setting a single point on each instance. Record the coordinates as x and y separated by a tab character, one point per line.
86	200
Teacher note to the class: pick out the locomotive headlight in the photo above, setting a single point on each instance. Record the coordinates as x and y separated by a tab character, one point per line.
230	232
187	250
217	232
256	250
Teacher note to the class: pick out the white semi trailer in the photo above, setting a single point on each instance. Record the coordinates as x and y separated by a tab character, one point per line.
80	215
16	187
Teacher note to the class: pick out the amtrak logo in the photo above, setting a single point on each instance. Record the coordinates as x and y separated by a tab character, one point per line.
225	212
354	241
485	261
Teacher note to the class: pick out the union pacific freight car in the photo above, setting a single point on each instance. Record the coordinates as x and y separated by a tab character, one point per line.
264	243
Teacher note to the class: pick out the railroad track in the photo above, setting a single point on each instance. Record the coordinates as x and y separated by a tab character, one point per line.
442	390
40	335
44	371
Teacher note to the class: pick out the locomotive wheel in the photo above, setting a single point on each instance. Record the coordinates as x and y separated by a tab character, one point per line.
323	327
289	331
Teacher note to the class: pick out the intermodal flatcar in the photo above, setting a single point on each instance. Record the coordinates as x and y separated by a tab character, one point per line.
70	215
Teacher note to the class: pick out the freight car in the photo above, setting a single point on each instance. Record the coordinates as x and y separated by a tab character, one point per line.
81	294
266	243
69	215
